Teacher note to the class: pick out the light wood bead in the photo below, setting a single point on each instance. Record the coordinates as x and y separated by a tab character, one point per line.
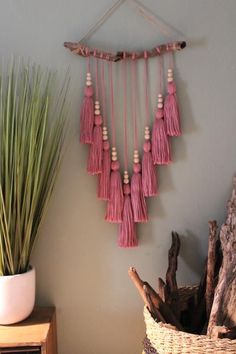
105	134
96	102
160	105
97	106
170	79
88	83
114	158
136	154
126	181
126	173
136	160
147	137
114	153
105	137
89	74
113	149
170	70
160	101
104	128
97	112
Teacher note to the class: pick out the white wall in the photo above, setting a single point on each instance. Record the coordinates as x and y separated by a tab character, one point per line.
80	269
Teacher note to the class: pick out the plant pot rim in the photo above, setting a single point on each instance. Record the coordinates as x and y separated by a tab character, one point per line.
31	269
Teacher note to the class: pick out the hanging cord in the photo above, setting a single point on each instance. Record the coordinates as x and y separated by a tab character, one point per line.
147	110
160	69
134	101
97	79
113	129
124	72
103	93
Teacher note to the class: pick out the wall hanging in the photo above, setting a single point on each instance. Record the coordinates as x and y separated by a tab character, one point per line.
126	199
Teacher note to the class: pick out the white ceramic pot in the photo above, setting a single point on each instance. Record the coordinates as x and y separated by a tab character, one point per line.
17	297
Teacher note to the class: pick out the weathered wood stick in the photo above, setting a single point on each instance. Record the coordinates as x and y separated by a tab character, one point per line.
158	303
161	289
154	311
85	51
211	262
171	282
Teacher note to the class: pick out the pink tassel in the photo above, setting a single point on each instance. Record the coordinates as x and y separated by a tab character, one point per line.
104	177
94	165
87	117
149	175
127	229
116	201
160	142
137	197
171	111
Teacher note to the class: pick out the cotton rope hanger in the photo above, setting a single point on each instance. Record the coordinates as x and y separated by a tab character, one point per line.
126	202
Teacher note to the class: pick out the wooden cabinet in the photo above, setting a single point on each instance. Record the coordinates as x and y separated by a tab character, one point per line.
35	335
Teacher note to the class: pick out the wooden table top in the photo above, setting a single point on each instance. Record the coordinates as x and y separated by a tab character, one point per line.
31	332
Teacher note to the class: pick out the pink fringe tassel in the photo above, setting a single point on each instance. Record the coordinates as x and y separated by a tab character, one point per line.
171	111
116	201
137	196
127	229
87	117
149	175
104	177
94	165
160	142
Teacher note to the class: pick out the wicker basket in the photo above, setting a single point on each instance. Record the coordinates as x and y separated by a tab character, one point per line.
170	341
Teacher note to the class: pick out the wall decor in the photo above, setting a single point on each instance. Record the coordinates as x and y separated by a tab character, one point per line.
126	199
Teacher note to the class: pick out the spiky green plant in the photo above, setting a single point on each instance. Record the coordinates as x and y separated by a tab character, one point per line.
32	127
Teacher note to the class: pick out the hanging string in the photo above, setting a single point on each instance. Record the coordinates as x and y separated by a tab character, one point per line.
113	133
88	62
147	118
103	93
134	110
160	69
97	79
124	72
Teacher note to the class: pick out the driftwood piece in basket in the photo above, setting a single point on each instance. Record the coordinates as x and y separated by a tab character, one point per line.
211	262
164	308
161	289
223	309
172	297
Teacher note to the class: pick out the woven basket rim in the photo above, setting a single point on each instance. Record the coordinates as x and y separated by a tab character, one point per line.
176	331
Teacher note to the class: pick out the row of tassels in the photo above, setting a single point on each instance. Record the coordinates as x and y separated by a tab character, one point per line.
126	204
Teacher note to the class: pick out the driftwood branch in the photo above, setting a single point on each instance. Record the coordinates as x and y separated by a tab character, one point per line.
211	261
85	51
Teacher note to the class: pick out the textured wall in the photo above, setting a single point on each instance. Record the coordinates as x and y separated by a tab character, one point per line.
79	267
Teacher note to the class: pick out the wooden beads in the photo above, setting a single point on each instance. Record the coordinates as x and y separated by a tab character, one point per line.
147	133
97	111
88	79
104	133
170	75
136	156
126	177
160	101
114	154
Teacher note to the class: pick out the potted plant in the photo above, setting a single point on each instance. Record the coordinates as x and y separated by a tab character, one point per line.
32	131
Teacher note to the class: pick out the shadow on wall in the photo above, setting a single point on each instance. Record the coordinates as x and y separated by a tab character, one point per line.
190	251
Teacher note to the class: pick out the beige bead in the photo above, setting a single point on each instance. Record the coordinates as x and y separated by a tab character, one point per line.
147	136
170	79
160	105
126	181
114	158
114	153
104	134
113	149
126	173
135	151
104	129
96	102
88	83
160	100
136	160
105	137
97	106
97	112
170	70
160	95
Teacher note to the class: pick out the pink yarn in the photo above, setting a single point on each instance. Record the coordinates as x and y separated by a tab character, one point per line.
94	165
87	117
116	202
160	142
171	111
137	196
127	230
149	175
104	177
